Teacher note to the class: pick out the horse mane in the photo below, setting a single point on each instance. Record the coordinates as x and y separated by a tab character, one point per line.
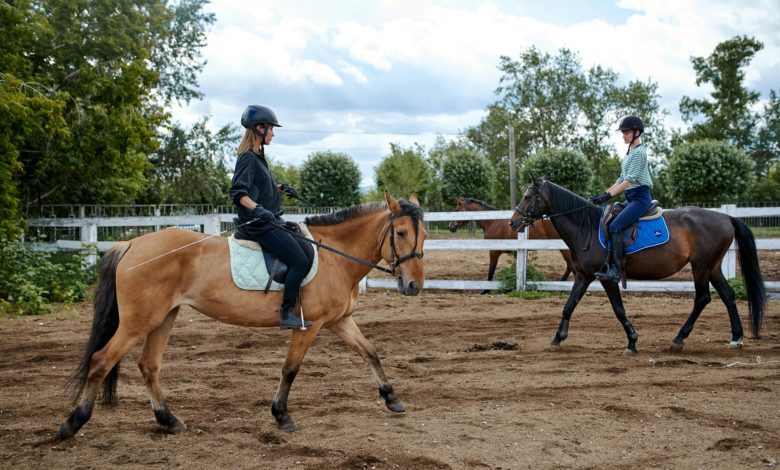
469	200
564	200
360	210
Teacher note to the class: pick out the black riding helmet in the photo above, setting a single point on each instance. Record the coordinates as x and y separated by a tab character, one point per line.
255	114
632	123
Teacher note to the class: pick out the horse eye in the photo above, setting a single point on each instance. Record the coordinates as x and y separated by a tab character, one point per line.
401	233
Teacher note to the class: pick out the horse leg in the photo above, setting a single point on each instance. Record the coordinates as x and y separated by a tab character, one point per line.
101	364
300	343
726	294
701	282
348	331
149	363
494	255
569	268
577	291
616	300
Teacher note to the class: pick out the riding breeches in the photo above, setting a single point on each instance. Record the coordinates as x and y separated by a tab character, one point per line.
638	201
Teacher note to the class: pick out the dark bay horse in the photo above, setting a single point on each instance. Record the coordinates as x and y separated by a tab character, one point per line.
698	236
141	304
500	230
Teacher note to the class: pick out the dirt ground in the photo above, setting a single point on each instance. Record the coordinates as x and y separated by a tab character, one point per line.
481	388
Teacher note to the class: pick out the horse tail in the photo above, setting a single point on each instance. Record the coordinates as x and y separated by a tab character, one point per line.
104	324
754	282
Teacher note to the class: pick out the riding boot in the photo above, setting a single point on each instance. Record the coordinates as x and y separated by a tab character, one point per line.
289	320
615	266
603	273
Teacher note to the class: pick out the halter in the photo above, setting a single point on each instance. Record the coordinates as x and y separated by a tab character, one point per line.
396	260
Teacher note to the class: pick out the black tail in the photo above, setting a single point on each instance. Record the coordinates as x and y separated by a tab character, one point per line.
104	324
748	261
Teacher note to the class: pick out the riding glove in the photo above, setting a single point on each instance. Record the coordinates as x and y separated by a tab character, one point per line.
262	215
600	199
289	190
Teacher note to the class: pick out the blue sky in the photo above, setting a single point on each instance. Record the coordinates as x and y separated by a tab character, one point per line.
354	76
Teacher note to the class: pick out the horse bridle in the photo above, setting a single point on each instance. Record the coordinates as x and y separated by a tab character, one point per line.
396	260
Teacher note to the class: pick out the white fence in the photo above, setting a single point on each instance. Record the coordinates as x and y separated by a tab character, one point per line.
211	223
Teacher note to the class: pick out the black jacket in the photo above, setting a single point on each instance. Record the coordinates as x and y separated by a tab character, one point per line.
253	178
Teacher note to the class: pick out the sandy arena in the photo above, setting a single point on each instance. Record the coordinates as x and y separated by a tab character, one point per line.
481	388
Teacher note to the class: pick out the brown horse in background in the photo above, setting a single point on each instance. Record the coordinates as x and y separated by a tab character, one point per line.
144	281
500	230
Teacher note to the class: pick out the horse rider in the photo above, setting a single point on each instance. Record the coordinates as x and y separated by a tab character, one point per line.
635	180
257	198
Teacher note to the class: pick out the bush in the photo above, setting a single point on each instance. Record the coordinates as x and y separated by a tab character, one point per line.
567	168
508	276
466	174
330	179
30	280
708	171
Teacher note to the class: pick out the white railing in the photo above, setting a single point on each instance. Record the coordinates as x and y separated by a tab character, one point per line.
211	223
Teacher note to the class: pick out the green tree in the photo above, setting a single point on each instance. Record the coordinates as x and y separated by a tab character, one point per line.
287	174
728	114
766	189
190	166
708	171
87	83
767	150
404	171
567	168
330	179
465	173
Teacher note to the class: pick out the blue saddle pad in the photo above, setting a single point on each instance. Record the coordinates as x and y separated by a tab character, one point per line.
650	233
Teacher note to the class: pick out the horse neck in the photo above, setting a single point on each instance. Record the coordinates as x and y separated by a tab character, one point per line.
483	224
360	237
571	231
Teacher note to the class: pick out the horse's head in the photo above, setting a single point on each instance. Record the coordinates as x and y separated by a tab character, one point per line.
460	206
532	206
402	244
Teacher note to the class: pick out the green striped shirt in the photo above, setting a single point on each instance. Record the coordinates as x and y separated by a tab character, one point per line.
634	168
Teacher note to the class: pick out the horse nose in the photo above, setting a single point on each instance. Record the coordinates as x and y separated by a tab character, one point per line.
413	289
453	228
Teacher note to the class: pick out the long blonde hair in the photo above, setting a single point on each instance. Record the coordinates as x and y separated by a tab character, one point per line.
250	141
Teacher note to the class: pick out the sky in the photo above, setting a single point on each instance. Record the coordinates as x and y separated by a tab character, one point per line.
355	76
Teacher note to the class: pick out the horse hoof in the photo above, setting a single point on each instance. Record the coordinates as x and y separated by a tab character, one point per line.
177	428
735	345
555	347
630	352
65	432
289	426
395	406
676	347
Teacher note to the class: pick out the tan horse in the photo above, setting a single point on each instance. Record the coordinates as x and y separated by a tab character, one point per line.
142	303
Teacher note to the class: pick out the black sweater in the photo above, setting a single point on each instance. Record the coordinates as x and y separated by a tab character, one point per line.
253	178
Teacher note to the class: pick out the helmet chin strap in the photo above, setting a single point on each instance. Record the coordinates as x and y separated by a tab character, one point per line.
635	136
262	136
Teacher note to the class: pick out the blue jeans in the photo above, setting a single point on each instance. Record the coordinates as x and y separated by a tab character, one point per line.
639	201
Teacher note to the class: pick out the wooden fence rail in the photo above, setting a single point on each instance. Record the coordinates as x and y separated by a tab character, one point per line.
212	223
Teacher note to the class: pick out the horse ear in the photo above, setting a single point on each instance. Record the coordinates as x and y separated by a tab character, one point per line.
413	199
392	204
533	178
458	200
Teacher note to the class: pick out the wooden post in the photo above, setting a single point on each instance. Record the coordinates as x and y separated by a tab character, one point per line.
522	262
512	169
729	265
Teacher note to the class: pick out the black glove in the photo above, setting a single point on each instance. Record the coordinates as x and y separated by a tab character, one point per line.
262	215
289	190
600	199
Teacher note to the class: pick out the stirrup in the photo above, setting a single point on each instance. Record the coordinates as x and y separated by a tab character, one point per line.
289	321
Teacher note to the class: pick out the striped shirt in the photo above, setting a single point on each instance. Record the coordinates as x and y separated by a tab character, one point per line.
634	168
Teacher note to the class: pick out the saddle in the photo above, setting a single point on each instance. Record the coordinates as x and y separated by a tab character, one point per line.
277	269
630	232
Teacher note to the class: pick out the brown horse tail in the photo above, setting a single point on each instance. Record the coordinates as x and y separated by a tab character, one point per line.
754	283
104	324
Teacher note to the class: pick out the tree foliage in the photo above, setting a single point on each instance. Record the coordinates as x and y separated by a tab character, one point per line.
83	87
404	171
708	171
567	168
330	179
287	174
465	173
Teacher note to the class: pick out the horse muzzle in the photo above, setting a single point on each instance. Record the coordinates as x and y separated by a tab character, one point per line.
520	225
408	288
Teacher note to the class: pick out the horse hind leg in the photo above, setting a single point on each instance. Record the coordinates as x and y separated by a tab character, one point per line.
149	363
701	283
726	294
300	343
102	363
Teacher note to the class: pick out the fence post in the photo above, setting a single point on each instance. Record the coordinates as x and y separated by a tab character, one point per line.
89	236
211	224
363	286
522	261
729	266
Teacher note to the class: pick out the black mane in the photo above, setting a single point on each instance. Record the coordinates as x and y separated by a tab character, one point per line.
565	201
354	212
469	200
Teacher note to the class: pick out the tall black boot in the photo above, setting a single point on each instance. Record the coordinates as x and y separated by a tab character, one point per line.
289	320
615	266
603	273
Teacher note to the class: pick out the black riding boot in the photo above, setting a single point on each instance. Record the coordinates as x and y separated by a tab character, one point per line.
611	269
289	320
